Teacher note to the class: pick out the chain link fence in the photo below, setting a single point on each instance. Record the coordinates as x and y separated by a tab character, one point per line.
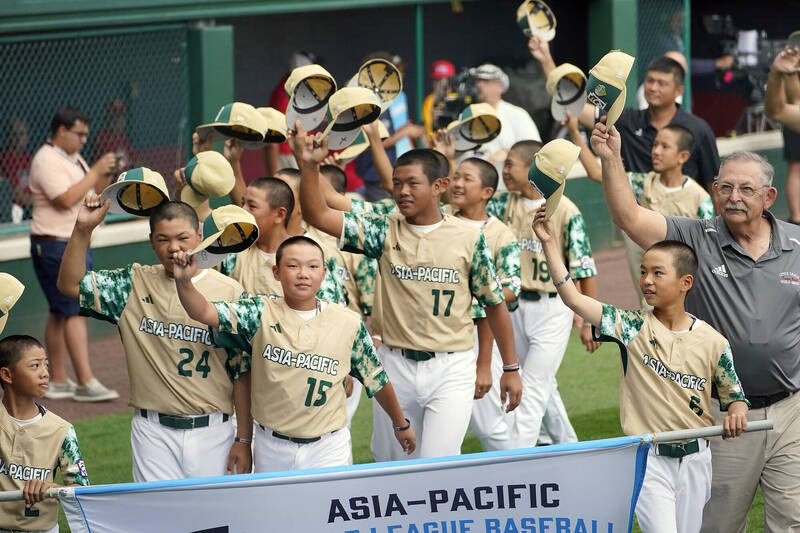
661	28
132	82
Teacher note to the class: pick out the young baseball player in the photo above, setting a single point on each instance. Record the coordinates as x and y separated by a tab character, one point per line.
542	323
302	348
33	441
665	189
430	267
183	389
670	359
271	202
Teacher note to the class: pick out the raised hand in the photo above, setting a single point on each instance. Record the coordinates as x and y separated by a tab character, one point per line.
787	61
543	228
184	266
91	212
605	142
233	150
443	143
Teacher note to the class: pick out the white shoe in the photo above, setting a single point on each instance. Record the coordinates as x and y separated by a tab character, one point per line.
94	391
61	391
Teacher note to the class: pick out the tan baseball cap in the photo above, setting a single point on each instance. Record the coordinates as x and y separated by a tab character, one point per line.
10	291
360	144
137	191
349	109
606	85
567	86
309	88
477	124
228	229
534	17
208	175
548	173
236	120
276	128
381	77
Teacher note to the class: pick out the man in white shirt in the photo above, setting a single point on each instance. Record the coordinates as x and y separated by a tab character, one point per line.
517	124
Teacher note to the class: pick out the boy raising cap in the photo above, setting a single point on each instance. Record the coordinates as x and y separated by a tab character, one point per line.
670	360
183	389
33	441
302	348
430	267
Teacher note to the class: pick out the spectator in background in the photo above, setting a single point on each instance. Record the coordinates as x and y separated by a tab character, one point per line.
15	166
112	137
277	156
791	152
641	101
517	124
441	72
59	180
782	77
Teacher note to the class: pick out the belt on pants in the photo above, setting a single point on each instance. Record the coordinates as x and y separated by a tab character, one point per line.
47	238
296	440
418	355
680	450
183	422
535	296
759	402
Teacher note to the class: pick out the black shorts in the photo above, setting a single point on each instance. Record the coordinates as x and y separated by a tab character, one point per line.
46	256
791	145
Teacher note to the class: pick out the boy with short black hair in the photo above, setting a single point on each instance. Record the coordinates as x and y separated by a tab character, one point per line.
670	359
303	348
34	442
425	258
183	390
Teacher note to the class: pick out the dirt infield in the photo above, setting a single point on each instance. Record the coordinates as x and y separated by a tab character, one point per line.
108	362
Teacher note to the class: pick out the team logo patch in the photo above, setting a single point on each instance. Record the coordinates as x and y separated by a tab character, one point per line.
600	90
789	278
82	468
587	262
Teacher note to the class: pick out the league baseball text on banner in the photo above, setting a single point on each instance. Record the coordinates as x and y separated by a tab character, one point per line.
588	487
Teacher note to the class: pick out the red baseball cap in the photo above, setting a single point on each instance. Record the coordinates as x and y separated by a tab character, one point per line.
442	68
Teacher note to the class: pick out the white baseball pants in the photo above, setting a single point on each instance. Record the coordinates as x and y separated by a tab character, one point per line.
273	454
436	396
674	492
160	452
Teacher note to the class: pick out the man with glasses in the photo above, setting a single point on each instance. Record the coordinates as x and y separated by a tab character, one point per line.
59	180
748	288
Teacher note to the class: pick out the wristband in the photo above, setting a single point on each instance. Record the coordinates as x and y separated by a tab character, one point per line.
243	441
586	325
563	281
403	428
511	368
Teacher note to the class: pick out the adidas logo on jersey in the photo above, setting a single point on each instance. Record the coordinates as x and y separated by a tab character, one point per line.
147	299
396	247
276	327
720	271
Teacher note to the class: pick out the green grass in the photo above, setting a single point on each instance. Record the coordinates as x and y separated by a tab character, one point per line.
587	382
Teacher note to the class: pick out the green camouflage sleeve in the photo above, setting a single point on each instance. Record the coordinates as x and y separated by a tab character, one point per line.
228	264
365	234
365	277
358	207
728	386
621	324
382	207
70	461
104	293
636	180
476	311
238	361
498	205
240	318
364	363
509	269
577	248
331	288
705	211
484	284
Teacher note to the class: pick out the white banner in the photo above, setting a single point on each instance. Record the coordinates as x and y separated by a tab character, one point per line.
588	487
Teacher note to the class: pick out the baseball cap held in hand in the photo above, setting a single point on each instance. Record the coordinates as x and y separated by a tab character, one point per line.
548	173
276	128
208	175
228	229
349	109
137	191
606	86
309	88
236	120
10	291
567	85
477	124
534	17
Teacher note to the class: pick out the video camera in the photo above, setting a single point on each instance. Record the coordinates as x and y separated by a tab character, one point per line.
450	101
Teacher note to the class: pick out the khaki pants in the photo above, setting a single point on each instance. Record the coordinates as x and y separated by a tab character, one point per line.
771	458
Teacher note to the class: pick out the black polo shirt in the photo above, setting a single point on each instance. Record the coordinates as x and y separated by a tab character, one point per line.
638	136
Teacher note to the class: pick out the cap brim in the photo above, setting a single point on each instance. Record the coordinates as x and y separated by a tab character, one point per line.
207	254
463	143
142	198
616	109
543	183
206	259
552	202
309	121
189	196
271	137
558	110
3	320
339	140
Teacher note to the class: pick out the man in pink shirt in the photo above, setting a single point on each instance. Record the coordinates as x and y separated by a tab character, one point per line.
59	180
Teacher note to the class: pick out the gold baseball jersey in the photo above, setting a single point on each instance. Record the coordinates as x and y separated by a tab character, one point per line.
298	365
570	234
666	377
35	451
253	269
427	279
690	200
173	366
